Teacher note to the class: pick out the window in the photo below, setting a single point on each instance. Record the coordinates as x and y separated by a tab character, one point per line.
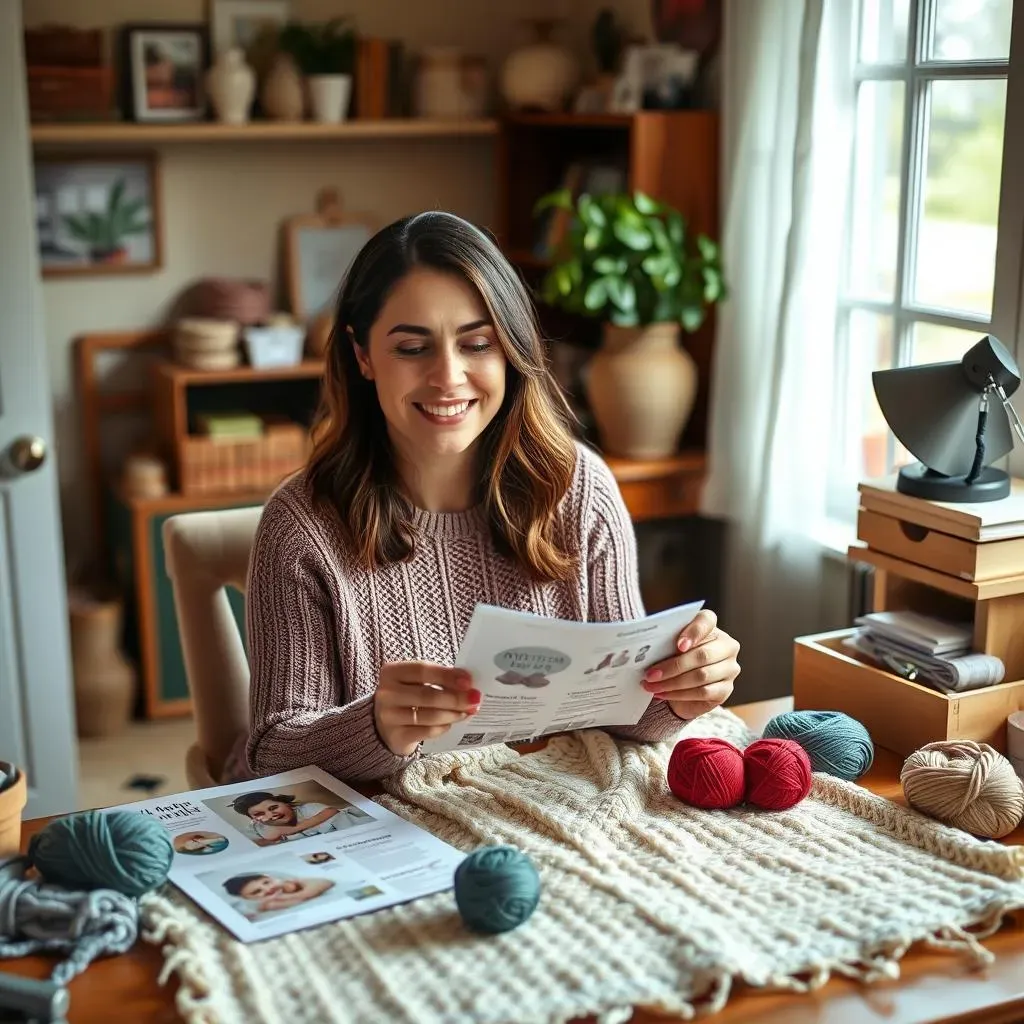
924	213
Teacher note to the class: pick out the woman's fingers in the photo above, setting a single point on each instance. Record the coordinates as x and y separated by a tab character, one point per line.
413	695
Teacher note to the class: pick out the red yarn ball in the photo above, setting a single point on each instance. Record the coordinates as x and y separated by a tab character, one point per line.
706	772
778	774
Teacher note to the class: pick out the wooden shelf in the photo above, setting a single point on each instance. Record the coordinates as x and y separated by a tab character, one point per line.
241	374
661	488
635	470
568	120
119	133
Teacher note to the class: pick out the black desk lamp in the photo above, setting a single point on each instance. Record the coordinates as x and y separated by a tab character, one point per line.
941	413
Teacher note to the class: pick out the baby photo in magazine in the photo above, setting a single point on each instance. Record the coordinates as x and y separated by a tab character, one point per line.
287	813
280	885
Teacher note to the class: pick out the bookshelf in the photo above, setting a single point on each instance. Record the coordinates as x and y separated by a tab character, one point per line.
670	155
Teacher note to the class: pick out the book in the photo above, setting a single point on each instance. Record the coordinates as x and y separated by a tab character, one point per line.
976	521
924	633
288	851
539	675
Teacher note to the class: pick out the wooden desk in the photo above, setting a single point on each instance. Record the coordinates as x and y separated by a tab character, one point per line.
936	988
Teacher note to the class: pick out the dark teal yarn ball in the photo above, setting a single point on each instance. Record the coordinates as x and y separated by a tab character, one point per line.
123	850
496	889
835	743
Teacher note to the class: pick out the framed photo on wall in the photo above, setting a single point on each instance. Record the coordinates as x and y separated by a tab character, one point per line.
164	68
251	26
98	215
318	250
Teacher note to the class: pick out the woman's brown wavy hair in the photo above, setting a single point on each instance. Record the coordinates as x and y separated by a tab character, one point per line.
526	455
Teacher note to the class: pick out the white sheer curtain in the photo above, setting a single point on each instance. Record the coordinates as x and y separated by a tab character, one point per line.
787	136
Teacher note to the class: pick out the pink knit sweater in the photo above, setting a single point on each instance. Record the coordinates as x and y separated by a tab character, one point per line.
320	626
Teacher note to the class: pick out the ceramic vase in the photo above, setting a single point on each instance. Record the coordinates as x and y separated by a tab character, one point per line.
282	97
104	678
12	805
329	97
541	75
450	84
641	385
231	86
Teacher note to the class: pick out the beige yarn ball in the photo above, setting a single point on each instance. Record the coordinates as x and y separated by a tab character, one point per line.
965	784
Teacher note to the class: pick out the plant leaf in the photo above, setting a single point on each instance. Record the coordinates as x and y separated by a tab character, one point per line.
645	204
692	317
676	228
596	295
636	238
560	199
707	248
606	265
115	197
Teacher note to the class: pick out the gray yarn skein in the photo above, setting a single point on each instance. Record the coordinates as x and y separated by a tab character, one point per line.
37	917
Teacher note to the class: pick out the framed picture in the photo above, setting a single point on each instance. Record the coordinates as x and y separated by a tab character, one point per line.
165	66
318	250
98	215
250	25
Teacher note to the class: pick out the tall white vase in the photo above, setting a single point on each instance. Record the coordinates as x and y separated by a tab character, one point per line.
329	97
231	86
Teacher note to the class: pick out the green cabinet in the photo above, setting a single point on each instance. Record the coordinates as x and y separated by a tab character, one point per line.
151	640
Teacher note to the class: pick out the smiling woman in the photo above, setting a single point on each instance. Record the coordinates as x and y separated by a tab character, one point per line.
444	475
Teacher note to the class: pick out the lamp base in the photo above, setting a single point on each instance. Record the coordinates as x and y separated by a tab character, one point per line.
921	482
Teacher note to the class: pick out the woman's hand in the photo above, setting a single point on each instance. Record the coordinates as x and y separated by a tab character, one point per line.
416	701
701	676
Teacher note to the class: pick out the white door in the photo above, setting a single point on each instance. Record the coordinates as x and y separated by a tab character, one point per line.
36	707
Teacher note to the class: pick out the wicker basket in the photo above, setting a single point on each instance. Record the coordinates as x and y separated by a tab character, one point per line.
215	466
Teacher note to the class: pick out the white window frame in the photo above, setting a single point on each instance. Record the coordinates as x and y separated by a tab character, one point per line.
917	71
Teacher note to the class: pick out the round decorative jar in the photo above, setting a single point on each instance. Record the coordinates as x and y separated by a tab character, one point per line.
541	75
231	86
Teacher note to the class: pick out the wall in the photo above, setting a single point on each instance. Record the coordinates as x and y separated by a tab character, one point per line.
223	205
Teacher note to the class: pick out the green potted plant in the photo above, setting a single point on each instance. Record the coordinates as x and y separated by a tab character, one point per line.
632	262
326	56
104	234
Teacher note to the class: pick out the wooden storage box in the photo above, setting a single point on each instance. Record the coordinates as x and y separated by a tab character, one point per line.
943	552
900	715
70	94
215	466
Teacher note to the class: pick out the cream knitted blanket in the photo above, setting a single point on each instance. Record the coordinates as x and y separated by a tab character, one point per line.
646	901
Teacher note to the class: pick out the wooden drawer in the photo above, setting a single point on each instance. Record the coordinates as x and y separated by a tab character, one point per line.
941	551
900	715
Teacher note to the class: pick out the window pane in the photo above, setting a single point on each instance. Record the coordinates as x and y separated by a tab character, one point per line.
871	347
956	249
883	30
876	190
972	29
934	344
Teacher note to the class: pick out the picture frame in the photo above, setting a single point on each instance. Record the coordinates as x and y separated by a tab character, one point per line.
656	77
164	68
318	250
98	214
251	26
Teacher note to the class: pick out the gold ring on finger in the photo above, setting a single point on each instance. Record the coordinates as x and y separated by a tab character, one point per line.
415	716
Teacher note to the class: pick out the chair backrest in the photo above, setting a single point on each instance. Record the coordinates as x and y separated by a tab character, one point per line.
204	552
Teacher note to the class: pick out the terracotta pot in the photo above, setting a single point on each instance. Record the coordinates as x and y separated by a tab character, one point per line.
641	385
104	678
12	804
282	96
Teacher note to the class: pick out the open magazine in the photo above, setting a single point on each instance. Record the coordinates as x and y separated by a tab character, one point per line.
539	675
293	850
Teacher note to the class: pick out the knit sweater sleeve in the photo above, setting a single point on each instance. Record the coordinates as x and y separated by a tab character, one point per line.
301	709
613	583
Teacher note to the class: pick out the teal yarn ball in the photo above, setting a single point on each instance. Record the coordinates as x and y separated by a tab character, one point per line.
123	850
496	889
835	743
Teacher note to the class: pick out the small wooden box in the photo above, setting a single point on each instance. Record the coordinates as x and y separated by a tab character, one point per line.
900	715
943	552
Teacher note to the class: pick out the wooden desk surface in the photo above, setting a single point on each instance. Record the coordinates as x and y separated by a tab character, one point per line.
935	988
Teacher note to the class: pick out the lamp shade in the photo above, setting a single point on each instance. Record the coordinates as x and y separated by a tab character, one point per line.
934	411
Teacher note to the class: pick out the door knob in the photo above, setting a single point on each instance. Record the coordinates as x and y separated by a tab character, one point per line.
27	453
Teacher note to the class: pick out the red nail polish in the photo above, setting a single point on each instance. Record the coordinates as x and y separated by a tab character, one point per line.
653	675
475	696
